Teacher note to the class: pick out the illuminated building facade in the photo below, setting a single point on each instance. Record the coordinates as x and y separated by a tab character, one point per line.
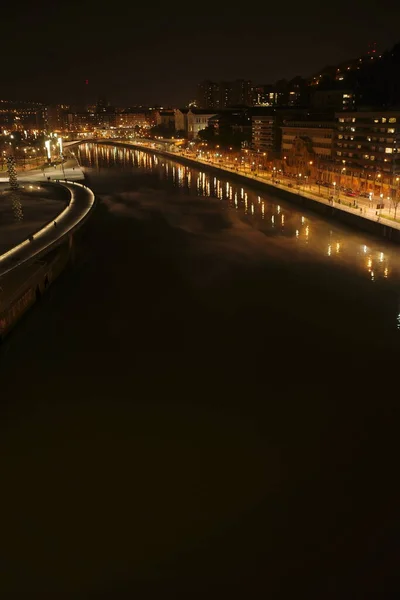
369	141
318	136
197	120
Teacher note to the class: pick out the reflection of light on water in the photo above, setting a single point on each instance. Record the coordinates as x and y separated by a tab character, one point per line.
398	321
323	237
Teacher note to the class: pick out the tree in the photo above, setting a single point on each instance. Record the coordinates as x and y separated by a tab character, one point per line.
395	201
207	134
162	131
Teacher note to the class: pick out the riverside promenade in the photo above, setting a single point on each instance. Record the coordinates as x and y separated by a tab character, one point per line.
69	170
362	216
79	206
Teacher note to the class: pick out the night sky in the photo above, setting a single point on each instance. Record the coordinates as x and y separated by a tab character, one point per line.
157	52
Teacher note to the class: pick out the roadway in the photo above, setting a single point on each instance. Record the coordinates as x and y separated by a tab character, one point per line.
80	205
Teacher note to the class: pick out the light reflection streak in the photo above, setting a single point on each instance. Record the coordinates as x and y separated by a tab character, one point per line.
211	186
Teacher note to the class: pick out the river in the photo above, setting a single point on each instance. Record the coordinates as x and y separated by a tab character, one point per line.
199	406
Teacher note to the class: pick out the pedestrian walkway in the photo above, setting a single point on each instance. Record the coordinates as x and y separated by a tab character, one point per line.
70	170
80	205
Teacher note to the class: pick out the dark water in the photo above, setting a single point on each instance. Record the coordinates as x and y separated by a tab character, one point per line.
205	405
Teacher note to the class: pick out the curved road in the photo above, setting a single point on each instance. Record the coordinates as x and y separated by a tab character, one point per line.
81	203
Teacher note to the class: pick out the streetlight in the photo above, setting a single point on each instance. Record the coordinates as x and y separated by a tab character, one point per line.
334	189
48	149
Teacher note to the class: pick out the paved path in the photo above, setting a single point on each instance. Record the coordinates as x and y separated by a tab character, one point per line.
72	172
81	203
366	213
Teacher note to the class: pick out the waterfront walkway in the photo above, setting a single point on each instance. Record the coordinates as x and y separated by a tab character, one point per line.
81	203
338	202
69	170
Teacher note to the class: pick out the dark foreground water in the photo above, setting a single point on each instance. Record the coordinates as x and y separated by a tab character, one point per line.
205	404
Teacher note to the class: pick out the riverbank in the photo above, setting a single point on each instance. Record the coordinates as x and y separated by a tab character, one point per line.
28	269
367	221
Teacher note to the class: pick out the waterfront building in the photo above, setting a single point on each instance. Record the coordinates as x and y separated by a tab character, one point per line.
166	119
318	135
369	141
198	119
181	120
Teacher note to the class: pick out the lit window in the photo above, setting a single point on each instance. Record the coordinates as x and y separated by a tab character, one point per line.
383	119
353	120
389	150
341	120
376	120
372	157
366	156
392	120
390	130
340	136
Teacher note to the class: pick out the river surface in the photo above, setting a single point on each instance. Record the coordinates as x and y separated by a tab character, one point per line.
205	403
